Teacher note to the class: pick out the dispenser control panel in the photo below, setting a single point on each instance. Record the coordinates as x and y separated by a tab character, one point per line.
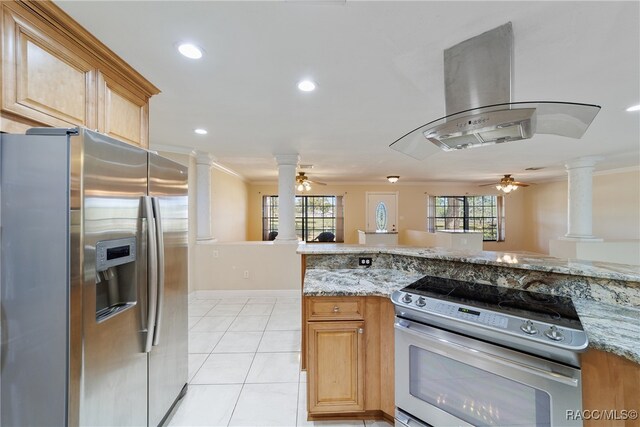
111	253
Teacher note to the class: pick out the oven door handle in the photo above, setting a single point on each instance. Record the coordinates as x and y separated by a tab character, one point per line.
413	328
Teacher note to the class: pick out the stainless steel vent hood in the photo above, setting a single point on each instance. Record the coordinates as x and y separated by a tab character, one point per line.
479	110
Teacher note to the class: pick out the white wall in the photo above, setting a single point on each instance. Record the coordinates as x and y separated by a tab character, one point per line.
267	265
616	210
229	206
622	252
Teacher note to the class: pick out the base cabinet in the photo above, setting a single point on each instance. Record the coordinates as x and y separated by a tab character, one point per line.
335	370
610	389
348	351
348	354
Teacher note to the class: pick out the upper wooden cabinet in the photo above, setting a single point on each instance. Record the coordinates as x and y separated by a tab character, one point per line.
54	73
122	114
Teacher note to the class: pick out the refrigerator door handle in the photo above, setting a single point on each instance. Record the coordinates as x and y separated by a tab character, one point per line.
160	269
152	271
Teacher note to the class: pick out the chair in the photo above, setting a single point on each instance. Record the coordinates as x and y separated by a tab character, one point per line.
325	236
272	235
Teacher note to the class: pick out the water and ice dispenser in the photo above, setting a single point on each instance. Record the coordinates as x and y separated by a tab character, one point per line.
115	277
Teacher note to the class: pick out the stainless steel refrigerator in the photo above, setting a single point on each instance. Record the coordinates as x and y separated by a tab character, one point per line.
93	278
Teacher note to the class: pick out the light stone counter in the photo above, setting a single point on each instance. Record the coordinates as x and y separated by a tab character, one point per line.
356	282
611	328
520	261
606	295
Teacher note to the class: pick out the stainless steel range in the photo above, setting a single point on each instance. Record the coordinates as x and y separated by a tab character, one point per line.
469	354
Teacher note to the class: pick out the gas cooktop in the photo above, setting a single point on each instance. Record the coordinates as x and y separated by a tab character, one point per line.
529	321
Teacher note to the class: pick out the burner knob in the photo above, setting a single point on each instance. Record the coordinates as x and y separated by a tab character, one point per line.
407	298
528	328
554	334
421	302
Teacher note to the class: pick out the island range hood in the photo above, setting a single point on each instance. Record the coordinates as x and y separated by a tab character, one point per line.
479	110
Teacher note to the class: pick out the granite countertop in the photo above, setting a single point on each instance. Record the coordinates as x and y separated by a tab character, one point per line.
612	328
380	282
525	261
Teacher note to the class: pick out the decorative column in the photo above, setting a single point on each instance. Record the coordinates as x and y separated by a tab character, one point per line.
580	199
204	161
287	164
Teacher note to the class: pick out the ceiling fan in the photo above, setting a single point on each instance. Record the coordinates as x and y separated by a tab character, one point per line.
303	183
507	184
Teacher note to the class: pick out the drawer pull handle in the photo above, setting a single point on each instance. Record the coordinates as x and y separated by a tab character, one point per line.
336	309
361	330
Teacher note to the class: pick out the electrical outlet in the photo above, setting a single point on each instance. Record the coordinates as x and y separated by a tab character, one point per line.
245	274
365	262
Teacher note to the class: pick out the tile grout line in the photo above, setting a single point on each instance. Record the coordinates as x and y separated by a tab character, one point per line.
247	375
208	354
223	334
299	376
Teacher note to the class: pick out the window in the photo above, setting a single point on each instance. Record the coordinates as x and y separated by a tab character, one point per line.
483	214
318	218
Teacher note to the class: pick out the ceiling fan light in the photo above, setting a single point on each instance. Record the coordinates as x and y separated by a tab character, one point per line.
300	187
306	185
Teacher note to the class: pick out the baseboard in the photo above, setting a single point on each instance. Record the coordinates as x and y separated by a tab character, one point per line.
364	415
219	294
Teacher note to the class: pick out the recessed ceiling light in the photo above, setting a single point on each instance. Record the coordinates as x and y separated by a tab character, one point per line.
307	85
200	131
634	108
191	51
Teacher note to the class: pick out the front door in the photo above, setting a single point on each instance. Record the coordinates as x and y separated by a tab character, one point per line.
382	211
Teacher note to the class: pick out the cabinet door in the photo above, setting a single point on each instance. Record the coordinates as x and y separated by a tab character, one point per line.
122	114
335	367
43	79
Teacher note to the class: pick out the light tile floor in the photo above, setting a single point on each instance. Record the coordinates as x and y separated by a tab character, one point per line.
244	366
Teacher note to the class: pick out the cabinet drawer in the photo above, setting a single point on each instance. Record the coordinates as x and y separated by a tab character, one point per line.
335	308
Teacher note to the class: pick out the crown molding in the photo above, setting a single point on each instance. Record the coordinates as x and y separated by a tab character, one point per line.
173	149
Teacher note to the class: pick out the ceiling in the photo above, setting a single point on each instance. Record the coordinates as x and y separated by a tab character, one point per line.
379	70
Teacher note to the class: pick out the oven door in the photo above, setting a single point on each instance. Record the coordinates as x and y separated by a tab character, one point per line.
446	379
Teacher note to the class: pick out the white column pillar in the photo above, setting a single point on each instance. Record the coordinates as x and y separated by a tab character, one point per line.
287	164
580	199
204	162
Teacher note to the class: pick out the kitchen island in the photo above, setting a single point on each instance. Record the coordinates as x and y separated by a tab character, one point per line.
606	297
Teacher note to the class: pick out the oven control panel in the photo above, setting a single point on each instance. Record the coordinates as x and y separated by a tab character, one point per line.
509	324
487	318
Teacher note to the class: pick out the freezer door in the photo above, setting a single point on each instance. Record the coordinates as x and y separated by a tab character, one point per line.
168	371
114	376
